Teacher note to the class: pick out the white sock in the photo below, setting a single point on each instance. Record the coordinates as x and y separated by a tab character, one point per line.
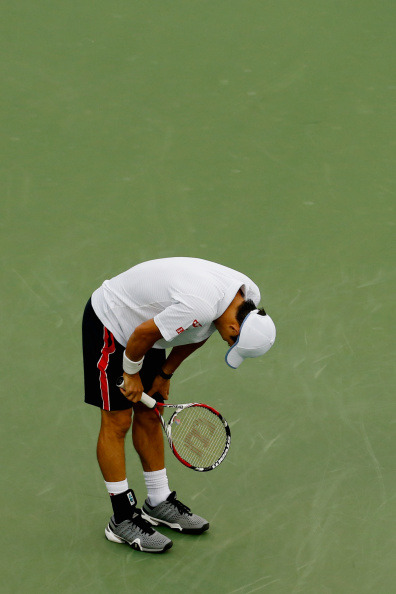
157	486
117	488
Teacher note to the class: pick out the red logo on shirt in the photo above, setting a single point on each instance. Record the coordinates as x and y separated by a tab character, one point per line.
196	324
180	330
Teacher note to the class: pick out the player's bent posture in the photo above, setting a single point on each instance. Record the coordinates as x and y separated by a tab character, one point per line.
128	323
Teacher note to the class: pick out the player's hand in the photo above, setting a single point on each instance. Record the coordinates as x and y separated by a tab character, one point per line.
160	386
133	387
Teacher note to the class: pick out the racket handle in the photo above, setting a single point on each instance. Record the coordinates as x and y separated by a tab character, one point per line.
145	399
148	401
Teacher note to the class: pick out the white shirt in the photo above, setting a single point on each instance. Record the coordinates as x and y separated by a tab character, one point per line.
183	295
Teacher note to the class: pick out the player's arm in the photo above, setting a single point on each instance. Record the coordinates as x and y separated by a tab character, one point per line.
176	357
141	340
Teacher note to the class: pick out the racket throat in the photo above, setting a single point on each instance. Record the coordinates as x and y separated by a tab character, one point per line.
168	433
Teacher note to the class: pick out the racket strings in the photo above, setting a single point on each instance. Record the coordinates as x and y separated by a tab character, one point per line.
199	436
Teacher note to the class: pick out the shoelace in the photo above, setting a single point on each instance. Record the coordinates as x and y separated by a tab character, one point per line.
142	524
183	509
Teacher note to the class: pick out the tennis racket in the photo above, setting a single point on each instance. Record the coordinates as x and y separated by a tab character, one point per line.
197	434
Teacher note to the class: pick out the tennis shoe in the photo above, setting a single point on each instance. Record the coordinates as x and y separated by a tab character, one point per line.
138	534
174	514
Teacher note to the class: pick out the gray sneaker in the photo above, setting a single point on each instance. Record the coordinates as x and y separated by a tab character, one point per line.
175	515
138	534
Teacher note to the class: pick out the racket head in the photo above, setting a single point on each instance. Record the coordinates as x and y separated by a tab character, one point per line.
200	437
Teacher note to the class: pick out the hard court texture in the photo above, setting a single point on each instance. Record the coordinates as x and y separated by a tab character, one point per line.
258	134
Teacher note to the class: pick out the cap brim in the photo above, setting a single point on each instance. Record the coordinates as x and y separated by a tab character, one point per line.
233	358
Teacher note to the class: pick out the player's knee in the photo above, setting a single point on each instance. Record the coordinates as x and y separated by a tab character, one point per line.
145	418
116	423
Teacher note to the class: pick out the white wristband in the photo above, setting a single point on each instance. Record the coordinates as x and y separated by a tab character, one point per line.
131	367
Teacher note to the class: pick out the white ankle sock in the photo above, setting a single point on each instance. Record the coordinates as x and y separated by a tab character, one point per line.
157	486
117	488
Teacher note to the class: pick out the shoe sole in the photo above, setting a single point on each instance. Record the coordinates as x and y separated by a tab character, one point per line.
136	544
157	522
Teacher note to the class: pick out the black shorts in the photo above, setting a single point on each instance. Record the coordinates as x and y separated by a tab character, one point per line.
103	364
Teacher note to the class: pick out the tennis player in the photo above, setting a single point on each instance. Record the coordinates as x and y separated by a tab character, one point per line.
128	323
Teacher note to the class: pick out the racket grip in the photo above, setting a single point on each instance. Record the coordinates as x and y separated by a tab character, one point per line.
145	399
148	401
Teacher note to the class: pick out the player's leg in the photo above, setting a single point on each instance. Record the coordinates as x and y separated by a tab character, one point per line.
111	444
147	433
148	438
111	458
102	367
161	505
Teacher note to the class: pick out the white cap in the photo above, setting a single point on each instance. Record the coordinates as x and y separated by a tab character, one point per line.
256	336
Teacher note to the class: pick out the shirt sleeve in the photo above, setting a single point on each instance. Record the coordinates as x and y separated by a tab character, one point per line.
180	316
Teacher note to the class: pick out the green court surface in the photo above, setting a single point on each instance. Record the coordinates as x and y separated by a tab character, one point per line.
258	134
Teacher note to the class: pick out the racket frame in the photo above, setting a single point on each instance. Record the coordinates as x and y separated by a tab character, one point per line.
167	427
